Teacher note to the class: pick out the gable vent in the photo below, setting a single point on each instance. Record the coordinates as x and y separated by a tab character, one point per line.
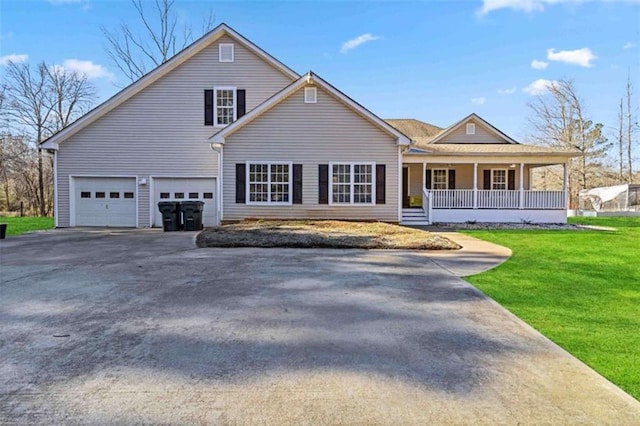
226	52
310	95
471	129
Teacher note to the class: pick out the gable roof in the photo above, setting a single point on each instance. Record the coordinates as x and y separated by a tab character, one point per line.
309	79
414	128
154	75
493	149
460	123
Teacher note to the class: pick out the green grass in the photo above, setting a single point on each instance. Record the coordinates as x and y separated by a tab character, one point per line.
20	225
579	288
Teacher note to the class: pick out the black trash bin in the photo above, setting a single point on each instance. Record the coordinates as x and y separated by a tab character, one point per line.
192	215
170	215
3	230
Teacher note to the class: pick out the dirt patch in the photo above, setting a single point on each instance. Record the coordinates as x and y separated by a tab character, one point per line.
322	234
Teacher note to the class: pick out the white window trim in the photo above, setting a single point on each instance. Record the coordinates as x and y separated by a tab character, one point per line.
315	95
433	178
351	182
215	104
233	52
268	203
506	179
471	129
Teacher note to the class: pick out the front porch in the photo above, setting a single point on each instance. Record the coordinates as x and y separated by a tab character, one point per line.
483	192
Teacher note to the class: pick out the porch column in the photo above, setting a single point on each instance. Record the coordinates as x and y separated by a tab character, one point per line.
521	201
424	176
475	185
565	185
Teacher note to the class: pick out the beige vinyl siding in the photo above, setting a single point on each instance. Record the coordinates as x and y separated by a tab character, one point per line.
160	131
311	134
482	135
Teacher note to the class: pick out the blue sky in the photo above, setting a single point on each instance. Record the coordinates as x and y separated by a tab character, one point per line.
436	61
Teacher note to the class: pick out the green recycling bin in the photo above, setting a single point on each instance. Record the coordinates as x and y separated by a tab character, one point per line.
192	215
170	215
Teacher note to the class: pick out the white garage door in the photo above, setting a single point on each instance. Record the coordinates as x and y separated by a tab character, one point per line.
105	201
186	189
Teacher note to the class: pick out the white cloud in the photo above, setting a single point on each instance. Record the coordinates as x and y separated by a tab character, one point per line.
509	91
355	42
539	86
478	101
539	65
528	6
57	2
15	58
582	57
87	68
629	45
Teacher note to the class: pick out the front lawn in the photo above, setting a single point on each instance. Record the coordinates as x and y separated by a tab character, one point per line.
322	234
20	225
580	289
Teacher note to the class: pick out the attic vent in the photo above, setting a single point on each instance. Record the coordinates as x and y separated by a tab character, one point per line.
226	52
310	95
471	129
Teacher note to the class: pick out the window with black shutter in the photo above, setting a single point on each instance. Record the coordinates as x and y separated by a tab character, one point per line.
208	107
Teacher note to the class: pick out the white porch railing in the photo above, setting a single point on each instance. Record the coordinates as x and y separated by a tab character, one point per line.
544	200
452	198
494	199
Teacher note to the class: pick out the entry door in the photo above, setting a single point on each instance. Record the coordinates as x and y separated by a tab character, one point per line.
405	187
105	201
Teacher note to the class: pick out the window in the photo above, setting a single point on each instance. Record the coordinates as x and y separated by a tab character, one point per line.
178	195
85	195
225	105
114	195
498	179
128	195
226	52
269	183
310	95
207	195
99	194
471	129
352	183
440	179
193	195
164	195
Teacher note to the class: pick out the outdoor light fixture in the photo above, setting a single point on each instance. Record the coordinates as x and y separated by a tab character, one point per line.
216	146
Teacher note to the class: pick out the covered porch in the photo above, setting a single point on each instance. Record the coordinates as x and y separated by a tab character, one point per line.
483	190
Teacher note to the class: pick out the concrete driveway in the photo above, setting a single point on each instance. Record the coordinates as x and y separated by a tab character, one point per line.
142	327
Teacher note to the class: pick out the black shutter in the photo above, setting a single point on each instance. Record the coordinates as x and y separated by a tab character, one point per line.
297	184
241	100
323	184
452	179
511	180
208	107
428	183
241	180
380	184
486	184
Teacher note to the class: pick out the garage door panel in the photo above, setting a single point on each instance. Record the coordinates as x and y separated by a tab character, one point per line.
186	189
105	201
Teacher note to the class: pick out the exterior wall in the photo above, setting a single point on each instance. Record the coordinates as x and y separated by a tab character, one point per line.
311	134
482	135
490	215
160	131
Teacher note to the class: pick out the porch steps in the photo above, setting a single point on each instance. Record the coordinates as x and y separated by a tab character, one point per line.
414	217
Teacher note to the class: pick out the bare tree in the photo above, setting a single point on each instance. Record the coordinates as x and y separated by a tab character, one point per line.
559	120
621	143
72	95
136	54
631	126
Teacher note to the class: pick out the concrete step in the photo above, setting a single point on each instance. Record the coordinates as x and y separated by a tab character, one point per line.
415	223
413	214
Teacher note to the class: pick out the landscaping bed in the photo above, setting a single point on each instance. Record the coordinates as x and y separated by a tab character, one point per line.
322	234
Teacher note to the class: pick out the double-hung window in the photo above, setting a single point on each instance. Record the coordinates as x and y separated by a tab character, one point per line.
352	183
498	179
440	179
269	182
224	105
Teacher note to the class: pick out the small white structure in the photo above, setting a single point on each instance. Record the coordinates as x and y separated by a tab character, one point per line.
610	199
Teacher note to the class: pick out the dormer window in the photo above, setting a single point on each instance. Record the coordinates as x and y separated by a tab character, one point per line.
310	95
471	129
226	53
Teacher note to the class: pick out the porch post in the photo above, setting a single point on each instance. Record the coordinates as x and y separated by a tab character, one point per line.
475	185
521	201
424	175
565	184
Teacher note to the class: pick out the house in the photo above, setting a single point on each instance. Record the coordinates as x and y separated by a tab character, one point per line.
225	123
